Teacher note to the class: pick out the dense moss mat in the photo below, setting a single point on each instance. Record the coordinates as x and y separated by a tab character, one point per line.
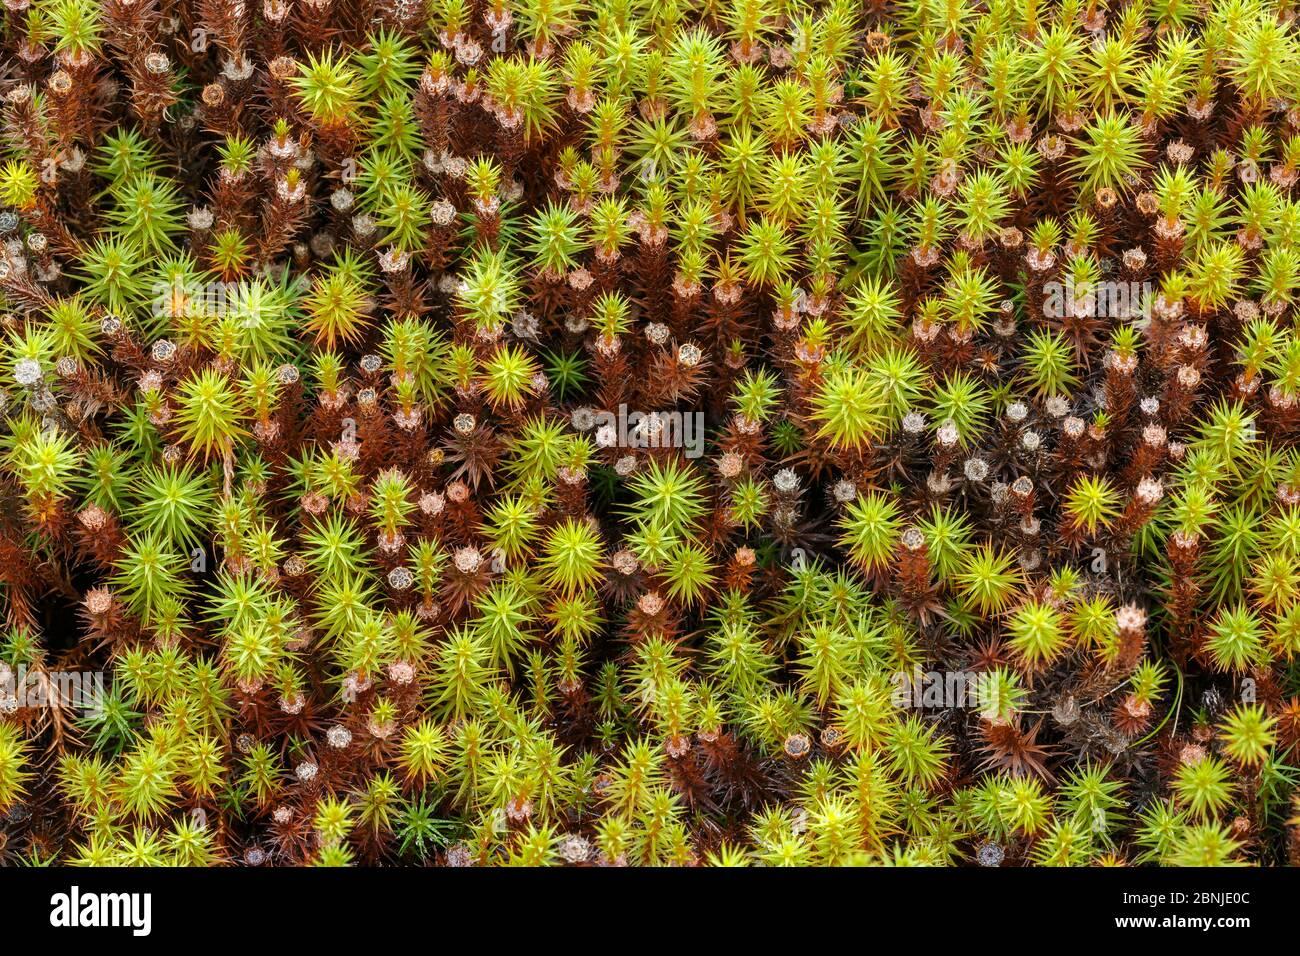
621	432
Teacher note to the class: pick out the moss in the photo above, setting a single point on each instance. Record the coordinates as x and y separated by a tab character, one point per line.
568	433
